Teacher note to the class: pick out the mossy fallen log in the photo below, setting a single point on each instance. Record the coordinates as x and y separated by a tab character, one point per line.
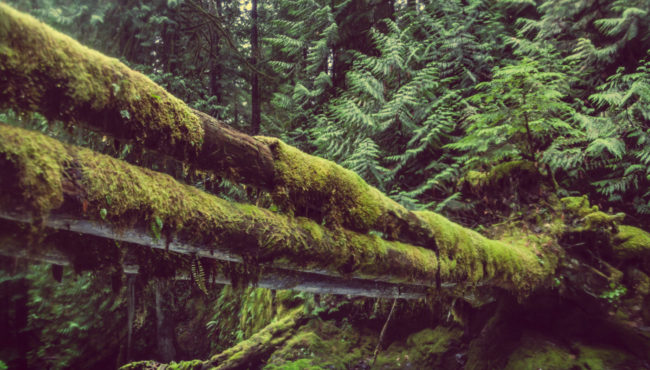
45	71
43	176
260	345
244	355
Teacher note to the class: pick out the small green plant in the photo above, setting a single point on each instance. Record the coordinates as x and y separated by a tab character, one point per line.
156	227
615	293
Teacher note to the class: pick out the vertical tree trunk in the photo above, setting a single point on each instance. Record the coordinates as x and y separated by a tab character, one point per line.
255	88
215	67
130	298
164	325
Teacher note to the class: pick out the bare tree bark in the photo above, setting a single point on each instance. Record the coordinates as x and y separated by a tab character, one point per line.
256	109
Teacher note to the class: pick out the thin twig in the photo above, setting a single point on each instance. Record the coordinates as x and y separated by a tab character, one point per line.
383	331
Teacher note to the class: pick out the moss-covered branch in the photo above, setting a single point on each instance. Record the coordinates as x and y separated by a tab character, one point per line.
243	355
42	175
42	70
260	345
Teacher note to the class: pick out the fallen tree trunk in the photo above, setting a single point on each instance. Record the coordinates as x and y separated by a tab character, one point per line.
47	72
260	345
245	354
44	176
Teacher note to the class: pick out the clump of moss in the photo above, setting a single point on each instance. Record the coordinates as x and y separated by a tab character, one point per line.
583	217
324	344
425	349
478	180
48	72
632	243
253	350
29	178
540	353
149	365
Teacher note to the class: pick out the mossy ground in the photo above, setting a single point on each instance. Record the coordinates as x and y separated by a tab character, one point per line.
324	344
426	349
537	352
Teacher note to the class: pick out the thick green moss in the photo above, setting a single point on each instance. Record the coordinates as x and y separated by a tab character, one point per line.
302	364
126	195
538	353
45	71
494	176
28	176
423	350
149	365
260	345
583	217
129	196
631	242
323	344
306	182
519	263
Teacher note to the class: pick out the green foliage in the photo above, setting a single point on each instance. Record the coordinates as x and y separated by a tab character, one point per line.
238	315
79	321
519	113
613	148
615	294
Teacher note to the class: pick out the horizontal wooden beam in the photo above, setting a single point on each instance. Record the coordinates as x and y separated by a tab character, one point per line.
271	278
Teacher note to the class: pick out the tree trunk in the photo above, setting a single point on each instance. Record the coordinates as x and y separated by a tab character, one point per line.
256	108
260	345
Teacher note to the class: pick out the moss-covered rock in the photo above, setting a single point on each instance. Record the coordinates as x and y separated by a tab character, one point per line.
324	344
426	349
632	243
543	353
